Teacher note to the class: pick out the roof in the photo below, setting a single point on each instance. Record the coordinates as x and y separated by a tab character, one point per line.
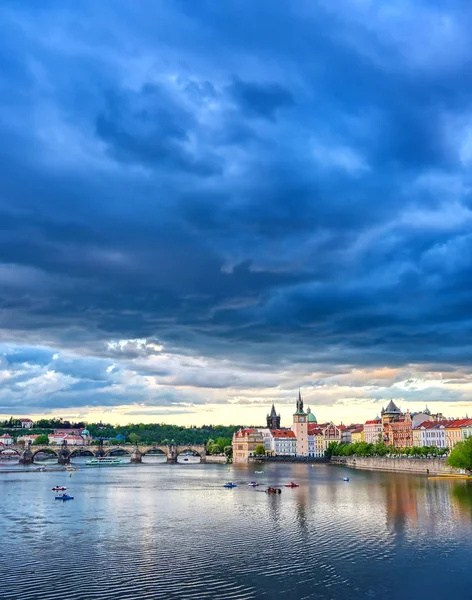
358	430
244	432
373	422
310	416
5	435
282	433
26	420
459	423
392	407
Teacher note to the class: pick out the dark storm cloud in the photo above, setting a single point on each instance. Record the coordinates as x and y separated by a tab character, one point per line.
263	182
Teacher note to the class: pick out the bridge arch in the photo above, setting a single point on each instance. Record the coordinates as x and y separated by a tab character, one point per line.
48	451
118	452
9	452
81	452
189	451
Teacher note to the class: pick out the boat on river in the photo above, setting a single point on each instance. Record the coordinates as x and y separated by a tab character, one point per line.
253	484
273	490
64	497
230	484
103	461
59	488
292	484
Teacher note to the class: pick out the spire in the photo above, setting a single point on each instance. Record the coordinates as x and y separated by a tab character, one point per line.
272	412
299	402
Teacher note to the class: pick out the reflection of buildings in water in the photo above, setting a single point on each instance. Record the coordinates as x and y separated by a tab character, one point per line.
401	502
302	500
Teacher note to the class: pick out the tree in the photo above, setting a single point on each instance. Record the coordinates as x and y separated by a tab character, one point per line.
461	455
134	438
41	440
260	450
229	451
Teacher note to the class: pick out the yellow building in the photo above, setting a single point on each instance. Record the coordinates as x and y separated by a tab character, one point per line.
417	438
245	442
357	435
454	431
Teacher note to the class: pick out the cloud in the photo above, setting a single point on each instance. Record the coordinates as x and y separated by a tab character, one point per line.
189	202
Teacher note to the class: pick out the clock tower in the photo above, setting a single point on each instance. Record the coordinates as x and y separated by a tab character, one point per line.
300	427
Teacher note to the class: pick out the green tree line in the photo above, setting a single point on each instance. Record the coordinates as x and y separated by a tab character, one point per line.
379	449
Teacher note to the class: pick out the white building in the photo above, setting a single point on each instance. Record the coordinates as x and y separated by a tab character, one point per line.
6	439
373	431
283	442
26	423
433	433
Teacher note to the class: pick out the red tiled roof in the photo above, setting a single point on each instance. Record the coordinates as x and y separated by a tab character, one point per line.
373	422
244	432
26	420
282	433
5	435
460	423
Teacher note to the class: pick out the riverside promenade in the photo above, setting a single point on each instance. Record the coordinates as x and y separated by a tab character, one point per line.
427	466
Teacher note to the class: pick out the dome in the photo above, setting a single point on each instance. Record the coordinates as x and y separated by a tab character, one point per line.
310	416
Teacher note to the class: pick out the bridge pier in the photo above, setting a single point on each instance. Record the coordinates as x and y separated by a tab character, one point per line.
63	458
26	457
136	457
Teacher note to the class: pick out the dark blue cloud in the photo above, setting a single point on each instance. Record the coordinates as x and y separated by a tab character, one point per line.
236	180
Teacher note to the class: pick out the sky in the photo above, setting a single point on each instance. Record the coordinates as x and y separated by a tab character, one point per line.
207	205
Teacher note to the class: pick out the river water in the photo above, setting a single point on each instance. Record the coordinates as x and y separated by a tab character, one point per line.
156	531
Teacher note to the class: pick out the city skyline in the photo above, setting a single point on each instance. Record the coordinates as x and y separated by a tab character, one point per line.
207	205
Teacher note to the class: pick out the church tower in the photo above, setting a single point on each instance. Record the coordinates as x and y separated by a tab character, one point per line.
300	427
273	420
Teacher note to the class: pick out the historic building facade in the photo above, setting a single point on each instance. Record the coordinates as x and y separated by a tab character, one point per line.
396	427
245	442
373	431
300	427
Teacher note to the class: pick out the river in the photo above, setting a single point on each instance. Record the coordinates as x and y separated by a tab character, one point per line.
156	531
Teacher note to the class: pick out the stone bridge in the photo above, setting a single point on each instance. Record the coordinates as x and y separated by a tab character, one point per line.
136	452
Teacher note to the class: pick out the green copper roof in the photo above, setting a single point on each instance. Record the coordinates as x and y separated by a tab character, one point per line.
311	417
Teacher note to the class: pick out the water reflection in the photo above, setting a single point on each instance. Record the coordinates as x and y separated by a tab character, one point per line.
155	531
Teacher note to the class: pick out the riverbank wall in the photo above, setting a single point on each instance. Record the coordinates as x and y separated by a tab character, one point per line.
220	460
427	466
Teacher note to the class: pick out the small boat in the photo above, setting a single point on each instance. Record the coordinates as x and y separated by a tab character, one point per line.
253	484
103	461
258	472
292	485
272	490
346	479
64	497
230	484
41	469
59	488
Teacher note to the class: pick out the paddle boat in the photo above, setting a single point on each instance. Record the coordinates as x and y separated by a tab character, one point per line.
230	484
292	485
59	488
346	479
64	497
253	484
273	490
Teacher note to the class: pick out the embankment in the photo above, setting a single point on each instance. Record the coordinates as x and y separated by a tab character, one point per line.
427	466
